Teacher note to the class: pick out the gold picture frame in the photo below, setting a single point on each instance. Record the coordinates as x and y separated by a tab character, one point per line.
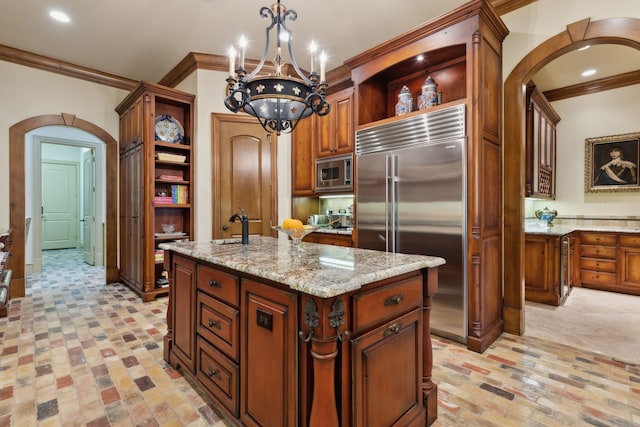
611	163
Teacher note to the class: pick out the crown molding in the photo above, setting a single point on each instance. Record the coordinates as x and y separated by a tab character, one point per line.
503	7
44	63
594	86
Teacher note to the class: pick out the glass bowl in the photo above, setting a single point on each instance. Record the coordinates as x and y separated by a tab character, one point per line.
296	235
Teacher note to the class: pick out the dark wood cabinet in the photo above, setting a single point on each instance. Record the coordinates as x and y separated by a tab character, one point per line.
256	351
131	216
629	260
155	182
269	324
610	261
303	158
183	314
550	269
389	400
462	52
541	146
335	132
317	137
329	239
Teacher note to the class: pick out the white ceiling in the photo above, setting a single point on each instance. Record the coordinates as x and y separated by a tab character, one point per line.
145	39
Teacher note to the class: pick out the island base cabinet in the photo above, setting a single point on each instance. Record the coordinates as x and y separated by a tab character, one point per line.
389	399
269	384
271	356
183	318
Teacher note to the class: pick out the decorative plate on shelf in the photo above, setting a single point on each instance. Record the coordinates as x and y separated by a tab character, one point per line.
169	129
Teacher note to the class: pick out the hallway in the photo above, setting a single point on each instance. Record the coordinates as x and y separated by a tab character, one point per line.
75	352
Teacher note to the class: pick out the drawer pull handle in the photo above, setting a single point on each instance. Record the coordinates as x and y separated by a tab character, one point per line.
214	373
394	300
214	324
215	284
392	330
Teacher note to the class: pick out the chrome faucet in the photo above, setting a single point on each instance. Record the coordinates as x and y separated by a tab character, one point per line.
244	219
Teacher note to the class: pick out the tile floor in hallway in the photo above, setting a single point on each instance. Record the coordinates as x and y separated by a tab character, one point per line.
75	352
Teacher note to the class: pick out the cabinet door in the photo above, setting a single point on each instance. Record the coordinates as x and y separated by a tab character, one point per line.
303	167
629	261
131	209
183	294
268	356
542	270
541	145
329	239
387	374
136	176
335	130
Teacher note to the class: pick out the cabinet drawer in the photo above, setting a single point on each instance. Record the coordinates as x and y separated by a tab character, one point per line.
596	264
218	323
219	284
598	278
219	376
598	251
632	240
599	239
378	305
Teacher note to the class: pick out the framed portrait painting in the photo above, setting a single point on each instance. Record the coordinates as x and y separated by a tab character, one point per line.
611	163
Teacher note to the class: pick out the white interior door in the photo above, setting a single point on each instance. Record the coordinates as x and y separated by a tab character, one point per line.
60	207
88	206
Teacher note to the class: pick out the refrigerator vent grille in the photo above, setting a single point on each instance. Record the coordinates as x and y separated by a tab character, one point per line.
414	131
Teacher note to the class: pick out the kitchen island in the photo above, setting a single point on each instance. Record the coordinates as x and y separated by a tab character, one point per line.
331	336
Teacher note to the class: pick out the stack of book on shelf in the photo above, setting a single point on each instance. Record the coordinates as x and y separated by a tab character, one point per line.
171	177
180	194
159	255
163	200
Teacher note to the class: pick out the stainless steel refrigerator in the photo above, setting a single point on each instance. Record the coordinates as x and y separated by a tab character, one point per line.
411	199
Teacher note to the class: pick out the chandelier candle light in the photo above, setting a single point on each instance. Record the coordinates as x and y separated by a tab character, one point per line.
277	101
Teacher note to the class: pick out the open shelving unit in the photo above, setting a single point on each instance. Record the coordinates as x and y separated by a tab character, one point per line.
156	183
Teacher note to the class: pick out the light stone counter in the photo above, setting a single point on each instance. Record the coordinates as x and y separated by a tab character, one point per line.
321	270
562	229
331	230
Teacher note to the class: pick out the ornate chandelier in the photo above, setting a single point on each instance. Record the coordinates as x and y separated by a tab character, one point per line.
279	102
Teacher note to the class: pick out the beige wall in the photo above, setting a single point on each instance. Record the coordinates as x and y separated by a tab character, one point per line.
27	92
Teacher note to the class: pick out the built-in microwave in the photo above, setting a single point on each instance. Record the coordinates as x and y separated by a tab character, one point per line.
334	173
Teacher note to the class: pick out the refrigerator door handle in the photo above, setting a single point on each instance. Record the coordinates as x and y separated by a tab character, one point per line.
391	194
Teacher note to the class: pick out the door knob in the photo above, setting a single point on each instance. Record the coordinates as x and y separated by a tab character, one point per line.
225	227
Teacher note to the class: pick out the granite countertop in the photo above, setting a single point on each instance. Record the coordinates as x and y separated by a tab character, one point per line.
321	270
331	230
562	229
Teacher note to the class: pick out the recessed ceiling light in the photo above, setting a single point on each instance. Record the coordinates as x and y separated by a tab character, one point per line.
588	73
584	48
59	16
420	58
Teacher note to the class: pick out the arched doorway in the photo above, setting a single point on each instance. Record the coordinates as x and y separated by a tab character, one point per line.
623	31
17	134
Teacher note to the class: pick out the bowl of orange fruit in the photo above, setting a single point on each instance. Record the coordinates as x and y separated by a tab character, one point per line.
296	230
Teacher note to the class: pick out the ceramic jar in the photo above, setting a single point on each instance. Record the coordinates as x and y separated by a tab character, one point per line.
429	96
405	102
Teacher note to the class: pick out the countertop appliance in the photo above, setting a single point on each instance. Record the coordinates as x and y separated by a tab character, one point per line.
334	173
342	219
412	199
